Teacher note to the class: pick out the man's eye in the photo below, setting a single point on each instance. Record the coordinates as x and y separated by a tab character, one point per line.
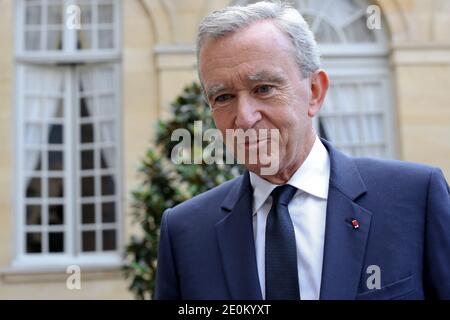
223	97
264	89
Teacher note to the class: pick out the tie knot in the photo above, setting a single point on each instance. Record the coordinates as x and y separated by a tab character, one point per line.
283	194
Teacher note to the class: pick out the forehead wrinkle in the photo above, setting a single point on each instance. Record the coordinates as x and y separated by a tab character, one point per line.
265	75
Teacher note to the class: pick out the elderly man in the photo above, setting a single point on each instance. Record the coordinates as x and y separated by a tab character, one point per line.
324	225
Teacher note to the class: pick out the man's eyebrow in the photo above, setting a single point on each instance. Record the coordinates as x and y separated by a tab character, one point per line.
214	89
258	76
267	76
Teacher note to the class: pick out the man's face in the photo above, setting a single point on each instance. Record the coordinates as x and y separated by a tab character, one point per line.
252	81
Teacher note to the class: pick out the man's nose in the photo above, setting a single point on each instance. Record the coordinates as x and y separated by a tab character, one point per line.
247	113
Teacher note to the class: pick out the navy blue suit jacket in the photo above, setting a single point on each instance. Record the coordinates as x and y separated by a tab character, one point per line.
207	248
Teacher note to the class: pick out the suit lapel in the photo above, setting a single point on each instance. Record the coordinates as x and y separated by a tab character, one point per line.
345	245
236	243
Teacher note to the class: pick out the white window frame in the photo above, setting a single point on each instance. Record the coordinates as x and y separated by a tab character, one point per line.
22	260
70	54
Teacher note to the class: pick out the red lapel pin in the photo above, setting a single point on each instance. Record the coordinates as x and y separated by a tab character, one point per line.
355	224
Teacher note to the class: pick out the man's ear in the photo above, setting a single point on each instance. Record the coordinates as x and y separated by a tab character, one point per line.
319	88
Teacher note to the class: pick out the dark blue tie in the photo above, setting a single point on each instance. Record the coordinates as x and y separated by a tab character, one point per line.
281	249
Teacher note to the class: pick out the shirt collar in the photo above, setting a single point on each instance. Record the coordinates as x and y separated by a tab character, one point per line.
312	177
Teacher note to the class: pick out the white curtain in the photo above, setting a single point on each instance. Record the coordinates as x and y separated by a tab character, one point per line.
327	118
352	116
54	40
41	83
32	39
374	126
99	81
32	14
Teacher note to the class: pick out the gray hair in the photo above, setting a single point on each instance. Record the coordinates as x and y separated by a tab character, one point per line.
223	22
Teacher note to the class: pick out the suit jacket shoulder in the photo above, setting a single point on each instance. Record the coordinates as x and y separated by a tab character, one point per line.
204	208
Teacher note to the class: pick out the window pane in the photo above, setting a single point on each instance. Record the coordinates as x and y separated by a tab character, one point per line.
87	160
33	215
33	108
34	242
56	134
107	185
108	212
327	34
88	241
54	15
372	129
88	213
56	214
83	108
86	14
106	103
86	107
84	39
107	132
56	242
105	13
108	158
105	39
55	187
87	187
109	240
55	161
358	32
33	160
87	133
105	79
34	188
33	134
32	40
54	40
33	15
60	108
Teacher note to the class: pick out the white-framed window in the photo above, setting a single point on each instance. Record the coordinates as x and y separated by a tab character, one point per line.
358	115
68	30
68	149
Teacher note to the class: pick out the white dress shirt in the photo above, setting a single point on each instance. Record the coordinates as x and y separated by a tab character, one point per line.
308	214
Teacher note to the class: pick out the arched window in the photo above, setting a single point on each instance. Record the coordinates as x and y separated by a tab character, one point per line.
358	114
